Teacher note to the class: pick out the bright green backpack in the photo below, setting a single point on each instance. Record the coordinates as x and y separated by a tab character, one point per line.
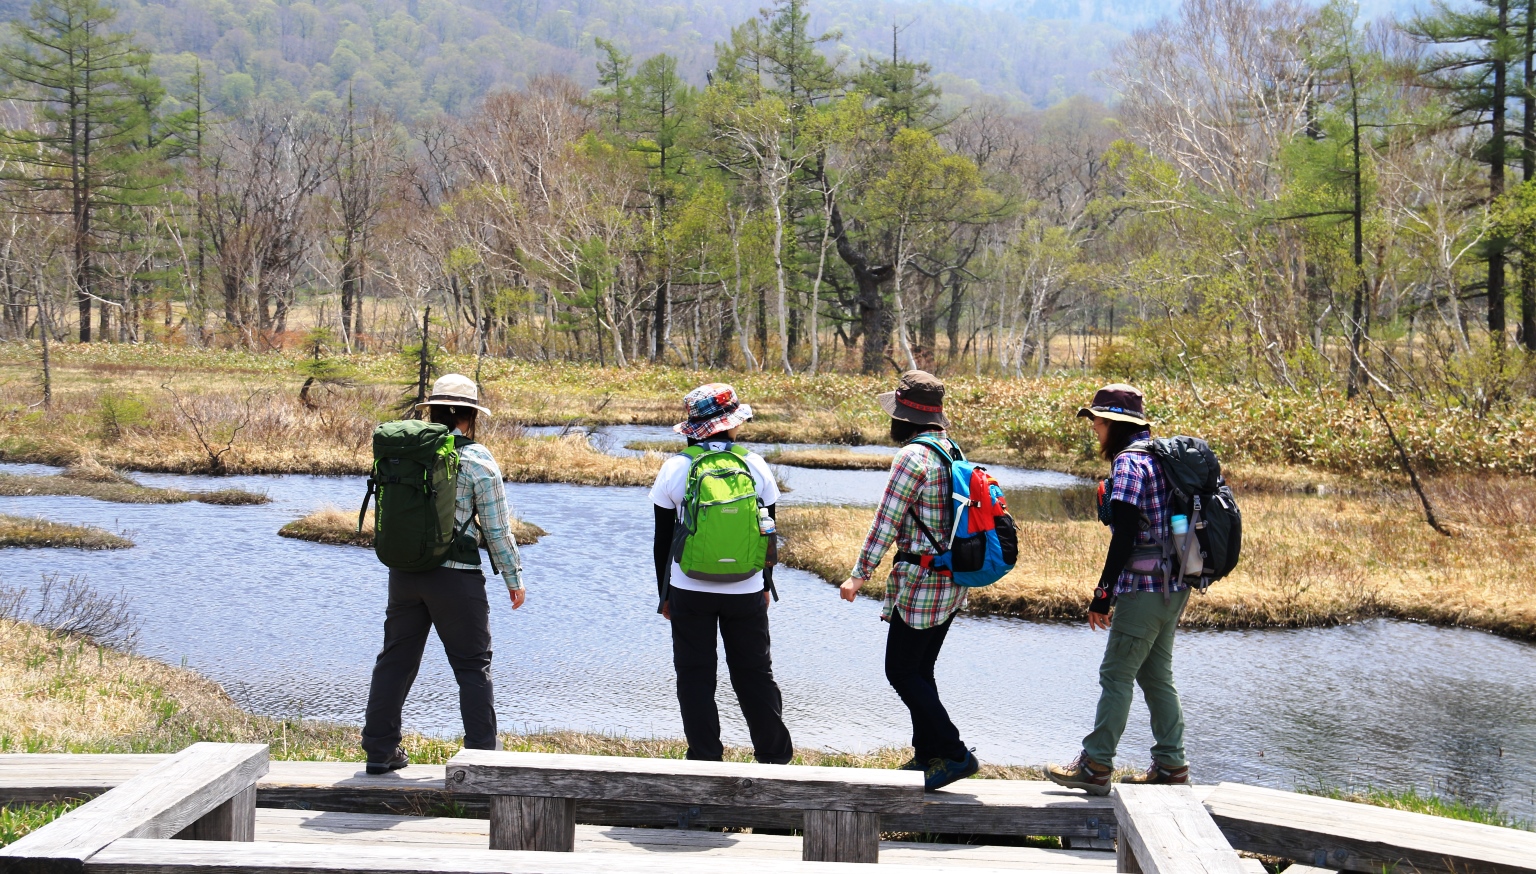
718	537
415	476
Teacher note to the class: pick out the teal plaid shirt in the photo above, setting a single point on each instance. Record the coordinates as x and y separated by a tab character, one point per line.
919	480
480	489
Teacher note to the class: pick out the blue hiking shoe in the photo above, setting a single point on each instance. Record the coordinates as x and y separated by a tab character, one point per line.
942	772
912	764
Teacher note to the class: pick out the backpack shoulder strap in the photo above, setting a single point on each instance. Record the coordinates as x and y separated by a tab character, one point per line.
949	462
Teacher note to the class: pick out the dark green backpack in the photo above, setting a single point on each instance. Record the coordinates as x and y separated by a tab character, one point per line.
415	476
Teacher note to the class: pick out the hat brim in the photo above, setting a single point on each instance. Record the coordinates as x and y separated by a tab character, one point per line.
710	427
425	404
888	403
1090	413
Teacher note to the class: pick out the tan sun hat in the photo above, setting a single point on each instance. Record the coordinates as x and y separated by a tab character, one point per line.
454	390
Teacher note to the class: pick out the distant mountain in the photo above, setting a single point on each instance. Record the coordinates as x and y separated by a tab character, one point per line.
427	56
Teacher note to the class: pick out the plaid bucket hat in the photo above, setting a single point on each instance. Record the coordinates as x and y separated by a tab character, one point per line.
711	409
1117	401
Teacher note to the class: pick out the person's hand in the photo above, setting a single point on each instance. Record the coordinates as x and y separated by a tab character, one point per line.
850	588
518	597
666	610
766	598
1099	621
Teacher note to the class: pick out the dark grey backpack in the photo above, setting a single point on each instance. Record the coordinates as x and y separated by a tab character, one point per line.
1200	492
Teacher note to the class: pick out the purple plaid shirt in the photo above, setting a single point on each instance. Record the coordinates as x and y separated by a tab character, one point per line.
1137	480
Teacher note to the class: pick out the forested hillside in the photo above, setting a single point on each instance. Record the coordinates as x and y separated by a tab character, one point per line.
423	56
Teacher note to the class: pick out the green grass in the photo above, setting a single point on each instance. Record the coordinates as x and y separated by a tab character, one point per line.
17	820
1414	801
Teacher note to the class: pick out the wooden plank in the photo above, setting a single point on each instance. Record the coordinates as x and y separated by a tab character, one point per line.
1327	833
841	836
523	822
202	857
307	826
730	784
158	803
1165	830
234	820
983	807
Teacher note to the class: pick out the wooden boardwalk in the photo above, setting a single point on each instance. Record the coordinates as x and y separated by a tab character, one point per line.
236	813
325	827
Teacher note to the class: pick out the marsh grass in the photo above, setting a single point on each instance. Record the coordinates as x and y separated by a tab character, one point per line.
110	397
87	478
830	459
25	531
337	526
665	447
1308	560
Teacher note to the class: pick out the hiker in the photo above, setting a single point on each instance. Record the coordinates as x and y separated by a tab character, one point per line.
920	602
714	554
1141	608
450	597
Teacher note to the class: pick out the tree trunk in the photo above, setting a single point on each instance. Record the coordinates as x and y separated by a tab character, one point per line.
1496	185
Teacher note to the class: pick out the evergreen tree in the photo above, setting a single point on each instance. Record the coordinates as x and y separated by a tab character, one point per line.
1473	69
92	103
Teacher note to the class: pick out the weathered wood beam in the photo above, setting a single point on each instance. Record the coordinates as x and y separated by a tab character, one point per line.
168	799
1343	835
727	784
1164	830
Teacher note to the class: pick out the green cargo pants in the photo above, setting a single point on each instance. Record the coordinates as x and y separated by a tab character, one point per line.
1140	648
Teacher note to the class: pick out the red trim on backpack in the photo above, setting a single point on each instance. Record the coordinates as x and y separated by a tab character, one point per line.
983	513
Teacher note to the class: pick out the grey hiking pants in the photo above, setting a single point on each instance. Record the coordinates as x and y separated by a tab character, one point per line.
452	601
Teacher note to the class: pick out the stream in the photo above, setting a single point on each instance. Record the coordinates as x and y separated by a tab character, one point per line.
290	628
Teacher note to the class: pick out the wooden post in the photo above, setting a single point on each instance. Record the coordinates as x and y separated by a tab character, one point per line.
526	822
234	820
1125	857
841	836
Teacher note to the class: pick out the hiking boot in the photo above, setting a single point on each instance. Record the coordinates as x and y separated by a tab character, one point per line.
1159	775
1083	773
394	763
942	772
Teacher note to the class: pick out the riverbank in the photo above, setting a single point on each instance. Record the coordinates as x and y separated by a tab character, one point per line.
87	478
339	527
1308	560
240	412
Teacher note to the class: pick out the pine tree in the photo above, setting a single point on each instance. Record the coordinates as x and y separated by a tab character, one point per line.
1474	71
89	93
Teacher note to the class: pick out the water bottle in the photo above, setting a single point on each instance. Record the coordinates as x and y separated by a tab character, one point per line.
765	522
1191	562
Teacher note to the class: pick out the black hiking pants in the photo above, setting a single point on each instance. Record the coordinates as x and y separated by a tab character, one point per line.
910	655
453	601
742	623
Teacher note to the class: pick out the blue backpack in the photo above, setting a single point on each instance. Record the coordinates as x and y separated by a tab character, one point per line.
984	545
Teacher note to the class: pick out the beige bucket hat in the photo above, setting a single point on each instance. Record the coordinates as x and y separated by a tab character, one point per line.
454	390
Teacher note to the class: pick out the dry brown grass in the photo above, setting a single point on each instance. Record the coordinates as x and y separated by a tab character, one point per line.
87	478
29	532
571	459
1307	560
830	459
337	526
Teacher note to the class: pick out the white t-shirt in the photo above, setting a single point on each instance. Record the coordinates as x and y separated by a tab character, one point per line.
670	489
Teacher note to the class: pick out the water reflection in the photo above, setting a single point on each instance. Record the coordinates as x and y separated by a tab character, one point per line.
292	628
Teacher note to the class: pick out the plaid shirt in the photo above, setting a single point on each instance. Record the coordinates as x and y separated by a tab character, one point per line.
920	480
480	488
1138	480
